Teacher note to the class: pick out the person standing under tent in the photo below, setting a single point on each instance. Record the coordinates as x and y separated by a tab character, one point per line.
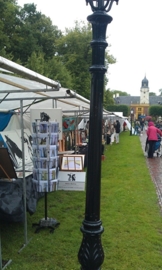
112	133
117	130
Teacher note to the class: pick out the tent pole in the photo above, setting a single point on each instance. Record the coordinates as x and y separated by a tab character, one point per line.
0	255
24	180
2	268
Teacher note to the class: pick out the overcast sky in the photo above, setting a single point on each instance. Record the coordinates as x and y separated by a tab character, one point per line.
134	36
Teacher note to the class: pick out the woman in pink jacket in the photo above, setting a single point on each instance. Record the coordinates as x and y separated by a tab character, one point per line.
152	138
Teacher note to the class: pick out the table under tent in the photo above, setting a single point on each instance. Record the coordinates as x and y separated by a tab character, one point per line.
19	97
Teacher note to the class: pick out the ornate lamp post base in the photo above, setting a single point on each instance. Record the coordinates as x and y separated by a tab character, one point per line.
91	254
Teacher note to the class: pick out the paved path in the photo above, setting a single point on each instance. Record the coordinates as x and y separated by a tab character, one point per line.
155	167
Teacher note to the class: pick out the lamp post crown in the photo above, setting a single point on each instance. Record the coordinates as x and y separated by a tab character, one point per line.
105	5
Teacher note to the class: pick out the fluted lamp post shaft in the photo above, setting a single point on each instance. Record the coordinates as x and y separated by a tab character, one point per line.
91	254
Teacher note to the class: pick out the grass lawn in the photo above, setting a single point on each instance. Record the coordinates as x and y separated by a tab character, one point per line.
131	217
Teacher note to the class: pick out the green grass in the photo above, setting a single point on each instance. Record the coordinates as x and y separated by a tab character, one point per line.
131	217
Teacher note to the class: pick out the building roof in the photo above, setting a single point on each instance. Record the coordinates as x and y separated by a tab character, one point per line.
128	100
145	83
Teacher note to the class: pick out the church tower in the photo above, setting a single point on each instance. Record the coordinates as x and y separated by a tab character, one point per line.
144	93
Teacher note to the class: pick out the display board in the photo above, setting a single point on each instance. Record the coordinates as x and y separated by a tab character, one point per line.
71	180
13	141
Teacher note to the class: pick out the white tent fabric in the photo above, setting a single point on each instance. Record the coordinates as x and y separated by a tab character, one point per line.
38	88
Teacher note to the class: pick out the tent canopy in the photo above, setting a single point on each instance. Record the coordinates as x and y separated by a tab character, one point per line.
36	91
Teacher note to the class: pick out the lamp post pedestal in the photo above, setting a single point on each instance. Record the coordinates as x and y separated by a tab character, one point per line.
91	254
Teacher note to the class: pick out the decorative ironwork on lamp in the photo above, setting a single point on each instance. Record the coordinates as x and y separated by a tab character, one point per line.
105	5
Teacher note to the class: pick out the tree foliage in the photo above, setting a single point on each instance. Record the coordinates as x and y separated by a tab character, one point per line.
29	38
160	91
119	108
155	111
34	34
108	98
121	93
8	25
75	50
152	94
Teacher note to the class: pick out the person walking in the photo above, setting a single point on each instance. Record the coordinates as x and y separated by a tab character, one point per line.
117	130
152	138
124	126
112	133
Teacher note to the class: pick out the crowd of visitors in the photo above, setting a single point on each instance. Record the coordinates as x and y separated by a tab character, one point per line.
141	126
113	131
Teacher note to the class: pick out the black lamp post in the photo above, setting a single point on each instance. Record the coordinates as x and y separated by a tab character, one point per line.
132	112
91	254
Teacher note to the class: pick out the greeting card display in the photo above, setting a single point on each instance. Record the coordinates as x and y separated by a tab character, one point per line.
45	127
45	155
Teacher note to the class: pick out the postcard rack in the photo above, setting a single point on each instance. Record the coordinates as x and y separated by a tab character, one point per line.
45	164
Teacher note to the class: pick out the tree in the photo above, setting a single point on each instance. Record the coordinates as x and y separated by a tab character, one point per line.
8	25
152	94
36	62
29	38
52	68
75	51
57	71
119	108
34	33
121	93
160	90
108	98
155	110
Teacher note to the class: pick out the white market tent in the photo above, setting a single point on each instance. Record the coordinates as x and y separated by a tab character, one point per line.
32	90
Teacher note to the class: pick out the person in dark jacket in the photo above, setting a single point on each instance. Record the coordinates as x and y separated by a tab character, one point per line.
117	130
152	138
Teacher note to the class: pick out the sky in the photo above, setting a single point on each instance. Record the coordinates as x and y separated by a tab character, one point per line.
134	38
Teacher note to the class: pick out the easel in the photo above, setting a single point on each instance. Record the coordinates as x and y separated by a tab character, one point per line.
7	171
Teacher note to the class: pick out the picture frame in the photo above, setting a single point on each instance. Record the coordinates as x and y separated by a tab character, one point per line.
72	163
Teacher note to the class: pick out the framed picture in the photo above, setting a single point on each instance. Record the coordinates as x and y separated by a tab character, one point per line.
72	163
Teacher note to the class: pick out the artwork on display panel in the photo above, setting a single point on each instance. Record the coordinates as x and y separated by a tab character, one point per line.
68	123
14	144
27	144
72	162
